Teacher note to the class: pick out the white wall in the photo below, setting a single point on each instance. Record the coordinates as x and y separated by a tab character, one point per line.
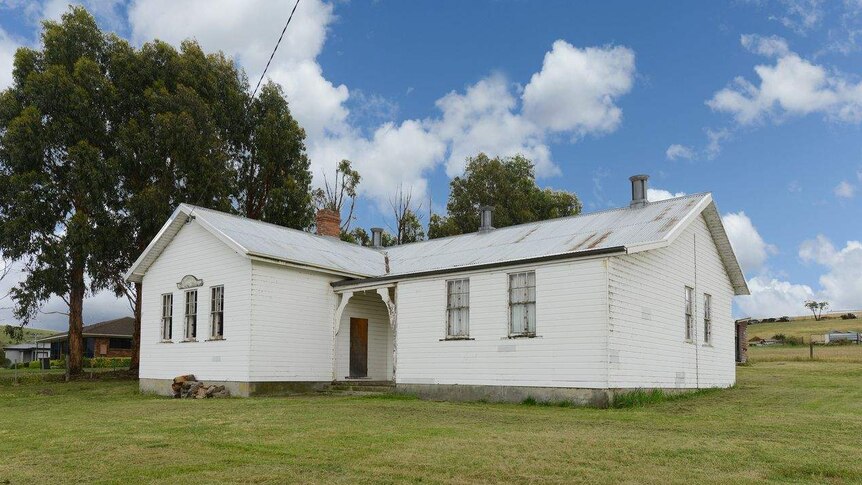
366	305
570	350
197	252
647	316
292	324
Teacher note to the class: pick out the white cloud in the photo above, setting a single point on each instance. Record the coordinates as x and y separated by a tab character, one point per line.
773	298
845	190
750	248
7	57
576	89
842	283
765	46
791	87
676	152
801	16
655	195
574	93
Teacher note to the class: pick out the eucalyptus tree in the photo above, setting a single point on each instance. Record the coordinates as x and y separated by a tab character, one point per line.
509	186
58	176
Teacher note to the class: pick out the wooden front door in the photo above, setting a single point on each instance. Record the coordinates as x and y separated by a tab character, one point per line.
358	347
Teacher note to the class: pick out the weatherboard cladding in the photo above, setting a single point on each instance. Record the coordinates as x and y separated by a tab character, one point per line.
623	229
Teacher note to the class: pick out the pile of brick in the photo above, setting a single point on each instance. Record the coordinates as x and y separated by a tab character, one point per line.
190	388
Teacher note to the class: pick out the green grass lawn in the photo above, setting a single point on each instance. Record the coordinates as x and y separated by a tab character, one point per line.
784	422
804	328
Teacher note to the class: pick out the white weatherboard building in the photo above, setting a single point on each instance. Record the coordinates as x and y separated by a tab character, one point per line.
573	308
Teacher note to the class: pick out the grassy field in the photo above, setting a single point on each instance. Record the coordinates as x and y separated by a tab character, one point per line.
831	353
29	335
783	422
803	328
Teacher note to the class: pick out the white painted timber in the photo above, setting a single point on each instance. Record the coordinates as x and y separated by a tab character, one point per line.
571	323
291	324
647	316
195	251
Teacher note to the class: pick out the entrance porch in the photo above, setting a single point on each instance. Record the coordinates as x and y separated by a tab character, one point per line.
365	337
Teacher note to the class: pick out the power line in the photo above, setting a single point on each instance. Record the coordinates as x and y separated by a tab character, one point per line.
276	48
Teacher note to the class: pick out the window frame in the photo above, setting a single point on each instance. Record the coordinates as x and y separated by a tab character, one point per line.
450	335
689	314
216	310
167	317
527	331
707	319
190	336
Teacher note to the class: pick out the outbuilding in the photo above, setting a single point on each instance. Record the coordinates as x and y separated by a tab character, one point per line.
574	308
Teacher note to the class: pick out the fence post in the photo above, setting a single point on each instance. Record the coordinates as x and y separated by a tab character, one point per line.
811	349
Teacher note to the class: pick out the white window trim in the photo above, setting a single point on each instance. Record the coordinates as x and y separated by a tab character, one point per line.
689	305
167	317
187	336
707	319
213	312
527	334
449	308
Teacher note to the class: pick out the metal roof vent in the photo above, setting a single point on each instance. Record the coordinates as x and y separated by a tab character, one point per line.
486	218
376	237
639	190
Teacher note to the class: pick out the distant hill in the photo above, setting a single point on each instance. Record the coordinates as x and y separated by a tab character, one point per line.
29	335
803	327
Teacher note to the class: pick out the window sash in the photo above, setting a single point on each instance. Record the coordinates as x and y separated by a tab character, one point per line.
167	315
191	314
217	312
458	308
689	317
522	303
707	318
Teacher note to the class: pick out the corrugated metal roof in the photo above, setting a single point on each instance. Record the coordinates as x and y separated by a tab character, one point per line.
634	229
598	230
285	244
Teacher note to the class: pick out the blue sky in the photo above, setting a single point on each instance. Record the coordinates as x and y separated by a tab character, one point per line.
759	102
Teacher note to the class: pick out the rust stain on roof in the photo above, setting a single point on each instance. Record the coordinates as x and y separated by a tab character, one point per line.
582	243
662	214
669	224
526	234
599	240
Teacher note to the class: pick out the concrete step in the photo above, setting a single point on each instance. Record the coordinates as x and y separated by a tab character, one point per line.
363	386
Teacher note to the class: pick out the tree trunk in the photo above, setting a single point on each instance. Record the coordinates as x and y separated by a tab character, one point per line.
136	333
76	319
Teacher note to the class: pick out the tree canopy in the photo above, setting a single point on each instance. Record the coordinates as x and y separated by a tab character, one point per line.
508	185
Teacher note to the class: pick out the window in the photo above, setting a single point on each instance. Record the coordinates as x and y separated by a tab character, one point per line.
120	343
522	303
167	315
217	313
458	308
689	313
191	314
707	318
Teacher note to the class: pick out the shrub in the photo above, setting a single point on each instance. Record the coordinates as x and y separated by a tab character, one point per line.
58	363
784	319
34	364
849	316
108	362
4	362
768	320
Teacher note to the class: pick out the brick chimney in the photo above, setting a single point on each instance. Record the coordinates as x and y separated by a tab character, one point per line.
328	223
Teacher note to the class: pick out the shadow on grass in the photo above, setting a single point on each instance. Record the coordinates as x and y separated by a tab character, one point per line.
642	397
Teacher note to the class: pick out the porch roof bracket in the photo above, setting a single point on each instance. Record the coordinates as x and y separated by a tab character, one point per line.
390	305
345	298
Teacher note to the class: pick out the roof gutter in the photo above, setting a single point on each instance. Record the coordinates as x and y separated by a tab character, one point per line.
460	269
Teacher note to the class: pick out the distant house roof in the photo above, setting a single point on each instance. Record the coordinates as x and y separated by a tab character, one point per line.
119	328
624	230
24	346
